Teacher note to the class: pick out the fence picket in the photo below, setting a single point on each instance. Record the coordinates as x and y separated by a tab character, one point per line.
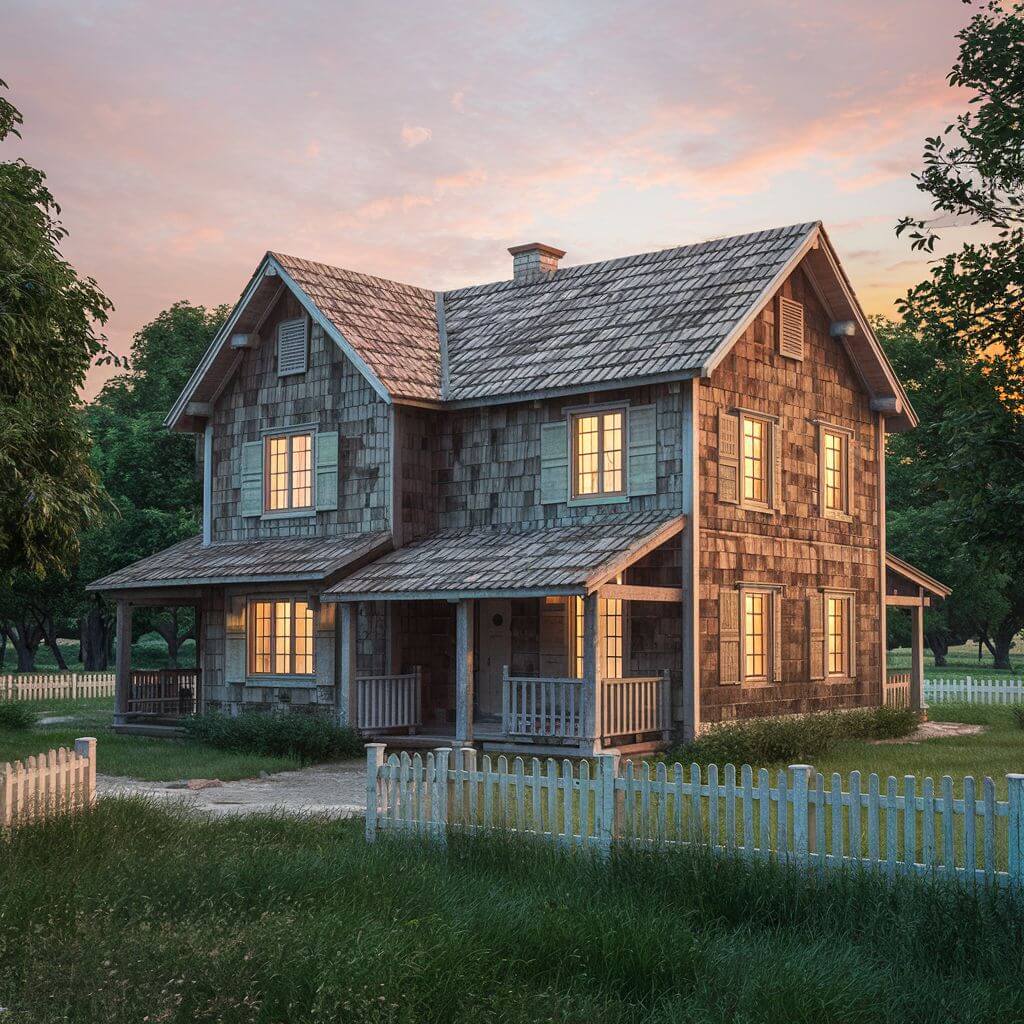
48	784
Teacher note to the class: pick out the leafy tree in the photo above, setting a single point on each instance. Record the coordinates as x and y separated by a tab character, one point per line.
48	340
149	472
955	489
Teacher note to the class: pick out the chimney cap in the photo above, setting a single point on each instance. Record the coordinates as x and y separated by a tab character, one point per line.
546	250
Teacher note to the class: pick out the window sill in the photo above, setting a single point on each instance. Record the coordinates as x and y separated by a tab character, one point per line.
282	682
601	499
301	513
839	517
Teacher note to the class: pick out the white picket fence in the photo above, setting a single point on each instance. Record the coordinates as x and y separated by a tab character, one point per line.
47	785
974	691
56	685
896	826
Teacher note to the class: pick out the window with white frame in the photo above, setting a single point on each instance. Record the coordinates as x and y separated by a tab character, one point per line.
280	637
288	472
598	453
838	634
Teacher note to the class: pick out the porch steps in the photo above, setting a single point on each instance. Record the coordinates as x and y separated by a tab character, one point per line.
148	729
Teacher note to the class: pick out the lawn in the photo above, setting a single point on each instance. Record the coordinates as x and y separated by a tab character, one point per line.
961	661
136	913
997	751
156	760
149	651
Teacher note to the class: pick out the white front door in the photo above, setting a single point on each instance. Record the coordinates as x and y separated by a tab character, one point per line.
495	652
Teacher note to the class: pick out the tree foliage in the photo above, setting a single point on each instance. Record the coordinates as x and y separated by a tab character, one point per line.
49	492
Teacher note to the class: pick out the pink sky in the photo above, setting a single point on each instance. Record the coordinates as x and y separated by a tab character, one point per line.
419	141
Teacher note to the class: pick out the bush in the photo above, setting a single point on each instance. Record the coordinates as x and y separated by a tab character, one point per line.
764	741
286	734
16	714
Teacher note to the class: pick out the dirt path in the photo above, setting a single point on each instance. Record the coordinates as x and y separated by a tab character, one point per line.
937	731
335	789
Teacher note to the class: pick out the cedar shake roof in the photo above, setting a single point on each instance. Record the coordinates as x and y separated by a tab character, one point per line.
636	317
659	315
189	563
392	326
492	561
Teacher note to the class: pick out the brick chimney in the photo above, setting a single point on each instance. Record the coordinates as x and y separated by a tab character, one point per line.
534	258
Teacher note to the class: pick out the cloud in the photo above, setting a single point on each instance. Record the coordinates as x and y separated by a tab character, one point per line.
414	135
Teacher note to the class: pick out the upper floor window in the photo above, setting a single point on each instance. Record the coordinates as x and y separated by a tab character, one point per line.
748	464
288	473
835	479
755	460
281	637
598	440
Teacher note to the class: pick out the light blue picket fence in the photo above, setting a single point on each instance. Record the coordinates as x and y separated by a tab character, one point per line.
799	815
974	691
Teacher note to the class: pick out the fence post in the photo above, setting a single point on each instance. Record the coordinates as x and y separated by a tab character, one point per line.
440	797
607	823
1015	791
374	761
85	746
804	814
6	795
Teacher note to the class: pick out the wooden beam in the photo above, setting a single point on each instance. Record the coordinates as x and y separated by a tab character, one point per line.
346	700
917	659
906	601
628	592
200	410
623	561
593	671
245	340
123	662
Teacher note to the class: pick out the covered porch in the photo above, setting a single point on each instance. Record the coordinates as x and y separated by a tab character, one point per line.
577	658
909	588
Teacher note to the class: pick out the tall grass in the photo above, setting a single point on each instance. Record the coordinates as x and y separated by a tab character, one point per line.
140	912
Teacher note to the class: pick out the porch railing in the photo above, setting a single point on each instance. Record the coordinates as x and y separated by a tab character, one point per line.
169	692
897	690
389	702
635	705
542	707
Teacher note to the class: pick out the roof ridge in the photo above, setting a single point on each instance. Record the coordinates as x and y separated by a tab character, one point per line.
353	273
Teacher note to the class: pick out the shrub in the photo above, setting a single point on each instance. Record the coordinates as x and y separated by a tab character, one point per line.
286	734
763	741
15	714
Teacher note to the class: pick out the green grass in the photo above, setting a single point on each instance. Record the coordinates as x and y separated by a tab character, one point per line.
176	918
961	661
997	751
156	760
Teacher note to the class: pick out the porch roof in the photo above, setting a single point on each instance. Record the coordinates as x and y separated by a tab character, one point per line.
905	581
303	559
569	558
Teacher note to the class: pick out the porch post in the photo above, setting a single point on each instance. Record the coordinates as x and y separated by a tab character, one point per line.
347	690
593	669
465	650
123	662
917	657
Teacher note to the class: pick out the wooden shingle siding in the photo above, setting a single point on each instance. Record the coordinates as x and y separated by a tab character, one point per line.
793	547
330	396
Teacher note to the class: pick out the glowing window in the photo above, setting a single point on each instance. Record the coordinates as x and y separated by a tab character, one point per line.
288	477
834	447
611	609
598	439
281	638
578	620
755	460
837	631
755	635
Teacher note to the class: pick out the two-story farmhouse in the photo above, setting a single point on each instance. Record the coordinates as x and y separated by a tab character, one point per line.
582	508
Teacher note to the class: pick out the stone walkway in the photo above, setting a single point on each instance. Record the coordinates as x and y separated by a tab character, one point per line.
335	789
937	731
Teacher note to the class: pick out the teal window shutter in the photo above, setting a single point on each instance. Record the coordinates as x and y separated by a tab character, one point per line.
643	450
234	640
327	471
554	463
252	479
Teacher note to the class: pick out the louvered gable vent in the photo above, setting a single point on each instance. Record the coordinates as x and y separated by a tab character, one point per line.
791	328
292	347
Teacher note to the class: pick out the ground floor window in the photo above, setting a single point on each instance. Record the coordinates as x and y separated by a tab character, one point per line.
838	634
614	622
281	637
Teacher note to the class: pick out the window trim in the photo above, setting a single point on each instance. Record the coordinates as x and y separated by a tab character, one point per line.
273	677
773	591
848	598
846	435
770	425
601	496
291	510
